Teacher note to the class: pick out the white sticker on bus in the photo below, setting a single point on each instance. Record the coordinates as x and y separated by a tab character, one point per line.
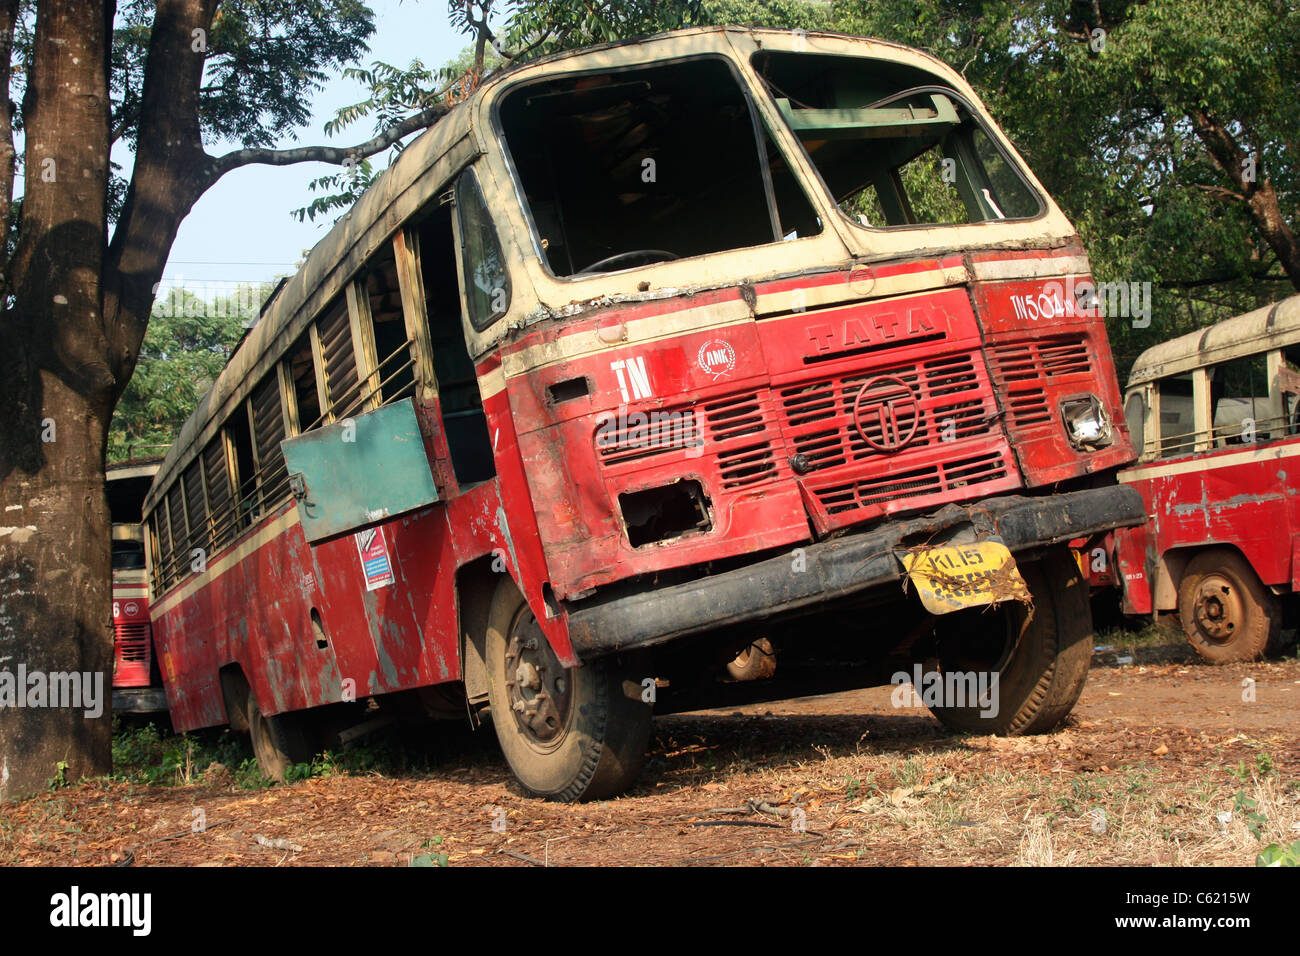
375	566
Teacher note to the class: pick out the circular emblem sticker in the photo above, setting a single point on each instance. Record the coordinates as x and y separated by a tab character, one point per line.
886	413
131	609
716	358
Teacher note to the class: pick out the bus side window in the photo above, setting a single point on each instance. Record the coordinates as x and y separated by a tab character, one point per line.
338	361
394	356
1239	401
487	289
1289	385
463	421
177	563
241	440
216	478
268	432
196	513
302	376
1177	425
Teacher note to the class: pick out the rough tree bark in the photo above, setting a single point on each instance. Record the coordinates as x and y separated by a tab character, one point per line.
57	390
76	314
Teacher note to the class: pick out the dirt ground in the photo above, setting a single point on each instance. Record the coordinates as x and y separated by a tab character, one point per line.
1157	765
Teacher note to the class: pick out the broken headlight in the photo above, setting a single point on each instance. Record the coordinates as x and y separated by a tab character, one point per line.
1086	423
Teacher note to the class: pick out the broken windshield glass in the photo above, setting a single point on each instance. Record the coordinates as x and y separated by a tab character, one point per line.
892	146
632	167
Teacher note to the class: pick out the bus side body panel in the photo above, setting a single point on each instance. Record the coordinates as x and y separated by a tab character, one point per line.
1244	499
255	610
253	606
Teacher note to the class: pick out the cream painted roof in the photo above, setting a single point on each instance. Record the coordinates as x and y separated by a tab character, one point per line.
426	165
1271	327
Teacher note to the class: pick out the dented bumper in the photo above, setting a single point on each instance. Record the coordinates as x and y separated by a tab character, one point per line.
836	568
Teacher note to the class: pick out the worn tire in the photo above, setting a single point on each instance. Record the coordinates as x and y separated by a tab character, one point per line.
1226	612
600	737
755	662
1041	676
279	742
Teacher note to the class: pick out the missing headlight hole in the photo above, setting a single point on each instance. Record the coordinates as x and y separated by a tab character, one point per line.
567	390
661	514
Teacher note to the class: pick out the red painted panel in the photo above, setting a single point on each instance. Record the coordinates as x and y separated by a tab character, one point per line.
1249	505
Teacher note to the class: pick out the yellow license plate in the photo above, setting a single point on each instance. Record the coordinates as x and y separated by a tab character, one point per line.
956	577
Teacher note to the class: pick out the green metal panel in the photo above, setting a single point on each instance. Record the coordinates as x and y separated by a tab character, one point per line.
861	123
359	471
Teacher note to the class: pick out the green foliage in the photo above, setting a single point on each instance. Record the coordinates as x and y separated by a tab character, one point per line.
142	754
1274	854
1106	121
1279	855
188	342
430	859
264	60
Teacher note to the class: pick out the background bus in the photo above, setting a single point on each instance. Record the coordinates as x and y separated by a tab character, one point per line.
1216	414
642	354
137	682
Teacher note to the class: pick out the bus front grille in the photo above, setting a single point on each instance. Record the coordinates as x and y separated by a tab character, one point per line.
825	423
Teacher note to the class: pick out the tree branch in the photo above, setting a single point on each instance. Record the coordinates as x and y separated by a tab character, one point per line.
1220	192
328	154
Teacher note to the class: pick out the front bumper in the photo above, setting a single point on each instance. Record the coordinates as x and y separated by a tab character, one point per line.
835	568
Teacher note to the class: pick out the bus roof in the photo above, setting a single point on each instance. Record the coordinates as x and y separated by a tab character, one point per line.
395	195
398	193
1262	330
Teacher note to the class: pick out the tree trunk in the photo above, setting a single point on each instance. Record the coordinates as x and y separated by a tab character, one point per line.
57	390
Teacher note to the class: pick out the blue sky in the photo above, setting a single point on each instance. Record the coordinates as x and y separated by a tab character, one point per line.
241	230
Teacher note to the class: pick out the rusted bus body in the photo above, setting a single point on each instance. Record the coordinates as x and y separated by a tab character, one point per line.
644	365
136	685
1217	419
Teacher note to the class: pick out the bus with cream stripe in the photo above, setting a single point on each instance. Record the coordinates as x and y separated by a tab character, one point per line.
1216	416
641	356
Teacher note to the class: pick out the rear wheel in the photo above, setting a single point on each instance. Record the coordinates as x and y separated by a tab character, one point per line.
568	733
1040	657
279	741
1226	612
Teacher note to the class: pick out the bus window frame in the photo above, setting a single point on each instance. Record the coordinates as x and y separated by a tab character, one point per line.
983	120
1202	437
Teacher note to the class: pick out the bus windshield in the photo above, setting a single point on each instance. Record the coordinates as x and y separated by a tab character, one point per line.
650	164
893	148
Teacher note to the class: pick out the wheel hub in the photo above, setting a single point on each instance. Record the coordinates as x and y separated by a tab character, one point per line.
1218	610
536	682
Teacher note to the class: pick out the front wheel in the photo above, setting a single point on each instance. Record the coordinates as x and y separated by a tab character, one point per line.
1040	657
568	733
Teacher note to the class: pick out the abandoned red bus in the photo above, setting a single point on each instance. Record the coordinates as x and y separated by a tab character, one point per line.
641	356
137	687
1216	415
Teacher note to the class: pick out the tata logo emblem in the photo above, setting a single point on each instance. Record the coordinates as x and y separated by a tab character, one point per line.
880	329
886	413
716	357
